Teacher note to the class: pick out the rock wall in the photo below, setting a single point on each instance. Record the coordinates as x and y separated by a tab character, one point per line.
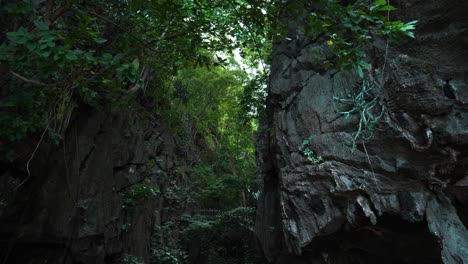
72	207
400	197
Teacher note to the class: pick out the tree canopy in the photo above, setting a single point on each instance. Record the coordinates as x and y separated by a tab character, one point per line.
58	55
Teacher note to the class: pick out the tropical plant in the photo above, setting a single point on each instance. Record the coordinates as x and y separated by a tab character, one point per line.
365	105
304	148
349	29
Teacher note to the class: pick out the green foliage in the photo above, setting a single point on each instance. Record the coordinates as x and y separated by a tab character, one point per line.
252	100
176	196
164	248
130	259
207	96
364	104
137	193
304	148
100	52
168	255
220	190
210	104
225	238
240	217
348	29
49	68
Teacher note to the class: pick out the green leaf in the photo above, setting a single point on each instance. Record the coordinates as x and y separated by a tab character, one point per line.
78	52
45	53
100	40
136	63
90	58
360	72
380	2
387	8
364	65
58	56
71	56
117	58
31	47
41	25
12	36
106	56
409	26
410	34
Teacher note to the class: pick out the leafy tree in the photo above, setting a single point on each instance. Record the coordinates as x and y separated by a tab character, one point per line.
209	101
59	55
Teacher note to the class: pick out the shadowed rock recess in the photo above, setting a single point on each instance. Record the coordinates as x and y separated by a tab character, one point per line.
400	197
73	208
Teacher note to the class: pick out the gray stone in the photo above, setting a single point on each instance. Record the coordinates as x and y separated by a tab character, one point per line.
358	205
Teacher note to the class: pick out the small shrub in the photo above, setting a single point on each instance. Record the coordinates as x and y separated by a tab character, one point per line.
304	148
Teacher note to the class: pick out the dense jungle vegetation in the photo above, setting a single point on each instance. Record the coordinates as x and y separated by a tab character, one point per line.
199	65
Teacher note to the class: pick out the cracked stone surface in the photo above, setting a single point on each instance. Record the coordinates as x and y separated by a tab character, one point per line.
71	210
400	197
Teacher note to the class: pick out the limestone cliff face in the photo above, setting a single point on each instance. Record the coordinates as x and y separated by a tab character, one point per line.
72	208
402	196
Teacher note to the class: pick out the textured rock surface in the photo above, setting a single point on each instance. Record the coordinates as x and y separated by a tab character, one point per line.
400	198
71	209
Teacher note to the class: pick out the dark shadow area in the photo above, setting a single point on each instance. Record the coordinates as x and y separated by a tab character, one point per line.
391	241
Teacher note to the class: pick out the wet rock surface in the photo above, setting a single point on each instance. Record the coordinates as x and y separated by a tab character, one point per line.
398	198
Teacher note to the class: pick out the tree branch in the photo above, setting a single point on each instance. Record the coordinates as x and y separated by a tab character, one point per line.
39	83
24	79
